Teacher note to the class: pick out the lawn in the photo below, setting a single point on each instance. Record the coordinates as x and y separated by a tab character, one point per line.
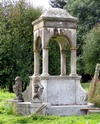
8	115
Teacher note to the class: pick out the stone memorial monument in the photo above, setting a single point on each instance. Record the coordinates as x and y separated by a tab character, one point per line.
63	94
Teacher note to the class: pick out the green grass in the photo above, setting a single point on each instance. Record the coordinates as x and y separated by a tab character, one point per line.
7	116
36	119
86	86
6	95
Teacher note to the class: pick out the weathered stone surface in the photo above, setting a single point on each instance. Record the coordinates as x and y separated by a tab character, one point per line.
66	110
63	90
17	88
81	94
63	94
28	108
28	93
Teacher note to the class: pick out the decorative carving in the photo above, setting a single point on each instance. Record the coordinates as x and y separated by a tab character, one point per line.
73	48
55	31
17	88
63	51
38	88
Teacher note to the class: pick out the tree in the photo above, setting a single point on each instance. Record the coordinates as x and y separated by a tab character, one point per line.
58	3
16	41
91	50
88	13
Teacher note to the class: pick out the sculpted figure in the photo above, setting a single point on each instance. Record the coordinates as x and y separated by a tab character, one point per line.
38	88
17	88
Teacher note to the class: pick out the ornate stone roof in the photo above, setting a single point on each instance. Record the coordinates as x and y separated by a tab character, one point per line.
57	13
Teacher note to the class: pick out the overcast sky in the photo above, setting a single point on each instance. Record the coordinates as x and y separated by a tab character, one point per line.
36	3
40	3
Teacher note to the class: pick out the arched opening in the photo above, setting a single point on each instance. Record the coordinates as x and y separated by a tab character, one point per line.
54	57
57	46
37	56
68	58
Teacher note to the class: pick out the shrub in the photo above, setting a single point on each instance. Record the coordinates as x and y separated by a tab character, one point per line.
7	108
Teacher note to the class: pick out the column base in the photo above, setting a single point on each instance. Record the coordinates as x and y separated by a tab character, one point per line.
45	74
63	75
74	75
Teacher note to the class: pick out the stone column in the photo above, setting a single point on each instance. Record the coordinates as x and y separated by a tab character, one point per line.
73	61
45	62
63	62
36	63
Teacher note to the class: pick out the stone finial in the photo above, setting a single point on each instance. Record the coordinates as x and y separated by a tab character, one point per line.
17	88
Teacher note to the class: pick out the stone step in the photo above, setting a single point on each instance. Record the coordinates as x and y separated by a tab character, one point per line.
91	110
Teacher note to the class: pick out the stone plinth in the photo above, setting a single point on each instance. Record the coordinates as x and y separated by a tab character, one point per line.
63	90
63	95
29	108
67	110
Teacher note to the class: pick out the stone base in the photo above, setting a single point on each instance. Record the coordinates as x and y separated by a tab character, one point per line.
63	90
28	108
13	102
67	110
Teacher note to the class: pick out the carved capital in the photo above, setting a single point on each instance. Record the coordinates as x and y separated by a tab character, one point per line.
45	47
63	51
73	48
36	50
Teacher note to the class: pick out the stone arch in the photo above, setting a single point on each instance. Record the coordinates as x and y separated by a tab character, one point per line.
65	38
37	43
37	46
62	41
54	57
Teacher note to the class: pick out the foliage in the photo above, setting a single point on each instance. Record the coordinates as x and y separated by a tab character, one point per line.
58	3
91	50
7	108
86	86
54	58
16	41
88	14
5	95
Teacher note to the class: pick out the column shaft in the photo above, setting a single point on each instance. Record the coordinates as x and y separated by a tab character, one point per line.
45	62
73	62
63	62
36	63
